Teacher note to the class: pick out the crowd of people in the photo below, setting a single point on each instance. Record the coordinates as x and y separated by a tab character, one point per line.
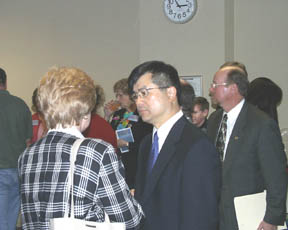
156	160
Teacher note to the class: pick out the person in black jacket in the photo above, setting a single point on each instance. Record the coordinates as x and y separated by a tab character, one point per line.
127	117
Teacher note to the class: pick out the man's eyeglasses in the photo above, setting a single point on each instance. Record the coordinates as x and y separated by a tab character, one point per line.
215	85
144	92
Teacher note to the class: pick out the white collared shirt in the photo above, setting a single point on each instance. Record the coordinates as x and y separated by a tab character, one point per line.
232	116
165	128
71	130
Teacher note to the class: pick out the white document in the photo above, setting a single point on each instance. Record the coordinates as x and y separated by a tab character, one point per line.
250	210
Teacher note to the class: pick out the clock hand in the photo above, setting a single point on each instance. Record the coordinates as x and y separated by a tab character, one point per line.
178	5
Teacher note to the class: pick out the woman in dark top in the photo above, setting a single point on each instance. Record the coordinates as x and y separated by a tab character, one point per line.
127	117
266	95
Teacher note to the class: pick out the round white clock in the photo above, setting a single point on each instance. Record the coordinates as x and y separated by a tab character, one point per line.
180	11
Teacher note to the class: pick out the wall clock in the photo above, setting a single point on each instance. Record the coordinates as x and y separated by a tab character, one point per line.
180	11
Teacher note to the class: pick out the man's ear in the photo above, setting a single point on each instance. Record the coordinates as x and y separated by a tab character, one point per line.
3	86
172	92
234	88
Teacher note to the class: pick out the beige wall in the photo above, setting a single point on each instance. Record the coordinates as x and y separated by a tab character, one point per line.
261	42
196	47
100	37
108	38
253	32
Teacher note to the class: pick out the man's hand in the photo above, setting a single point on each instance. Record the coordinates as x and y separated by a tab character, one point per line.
266	226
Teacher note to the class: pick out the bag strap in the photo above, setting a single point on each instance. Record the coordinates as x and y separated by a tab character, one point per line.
73	156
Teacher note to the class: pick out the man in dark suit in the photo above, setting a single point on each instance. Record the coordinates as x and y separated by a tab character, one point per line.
252	151
180	190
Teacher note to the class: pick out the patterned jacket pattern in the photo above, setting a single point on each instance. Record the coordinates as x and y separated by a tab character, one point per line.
99	183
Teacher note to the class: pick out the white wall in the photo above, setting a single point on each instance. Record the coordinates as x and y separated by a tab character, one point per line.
261	42
108	38
253	32
196	47
100	37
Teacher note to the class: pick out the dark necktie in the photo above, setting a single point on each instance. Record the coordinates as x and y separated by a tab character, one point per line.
220	142
154	153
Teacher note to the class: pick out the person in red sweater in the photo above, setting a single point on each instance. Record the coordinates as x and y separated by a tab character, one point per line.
39	127
99	128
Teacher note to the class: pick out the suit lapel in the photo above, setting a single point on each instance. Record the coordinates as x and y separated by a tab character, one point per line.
167	152
142	165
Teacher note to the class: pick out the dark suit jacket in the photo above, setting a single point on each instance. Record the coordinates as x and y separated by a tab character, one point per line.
182	191
254	161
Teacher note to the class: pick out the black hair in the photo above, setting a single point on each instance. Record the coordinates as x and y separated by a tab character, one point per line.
266	95
3	77
202	101
163	75
187	98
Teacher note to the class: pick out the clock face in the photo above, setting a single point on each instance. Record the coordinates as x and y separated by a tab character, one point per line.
180	11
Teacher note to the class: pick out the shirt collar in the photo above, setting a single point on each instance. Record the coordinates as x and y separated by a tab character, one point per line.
165	128
233	113
71	130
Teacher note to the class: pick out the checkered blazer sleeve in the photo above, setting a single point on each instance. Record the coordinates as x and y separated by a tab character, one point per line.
114	193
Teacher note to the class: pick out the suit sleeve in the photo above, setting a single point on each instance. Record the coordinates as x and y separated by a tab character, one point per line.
273	160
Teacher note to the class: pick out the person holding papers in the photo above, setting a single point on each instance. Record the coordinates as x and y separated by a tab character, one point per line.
129	127
251	150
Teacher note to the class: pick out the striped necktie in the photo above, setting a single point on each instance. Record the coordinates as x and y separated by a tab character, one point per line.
221	138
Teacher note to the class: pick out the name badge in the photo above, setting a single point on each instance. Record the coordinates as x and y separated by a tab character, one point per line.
133	118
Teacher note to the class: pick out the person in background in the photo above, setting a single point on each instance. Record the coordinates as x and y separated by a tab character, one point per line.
99	128
178	176
251	150
186	99
200	113
127	117
15	135
66	98
39	127
266	95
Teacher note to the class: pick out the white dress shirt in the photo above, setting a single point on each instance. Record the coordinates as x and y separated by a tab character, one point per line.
165	128
232	116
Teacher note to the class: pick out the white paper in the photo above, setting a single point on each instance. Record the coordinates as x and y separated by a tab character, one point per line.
250	210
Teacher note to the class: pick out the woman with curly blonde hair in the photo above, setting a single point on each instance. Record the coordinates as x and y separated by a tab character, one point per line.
66	98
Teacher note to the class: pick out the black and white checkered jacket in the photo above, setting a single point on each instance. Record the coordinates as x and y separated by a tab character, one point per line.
99	183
